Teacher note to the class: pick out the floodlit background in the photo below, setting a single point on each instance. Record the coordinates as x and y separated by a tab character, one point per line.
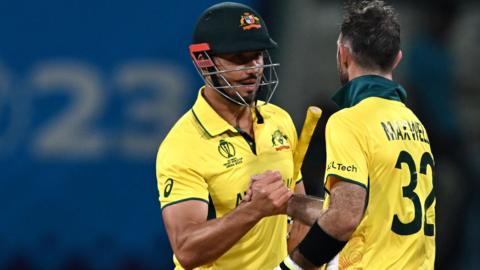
88	89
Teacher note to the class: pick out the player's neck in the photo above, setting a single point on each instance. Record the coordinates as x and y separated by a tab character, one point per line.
236	115
355	71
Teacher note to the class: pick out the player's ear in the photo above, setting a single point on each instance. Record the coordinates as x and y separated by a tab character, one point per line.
344	56
398	58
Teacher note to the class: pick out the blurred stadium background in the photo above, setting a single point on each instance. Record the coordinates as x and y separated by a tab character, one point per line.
88	89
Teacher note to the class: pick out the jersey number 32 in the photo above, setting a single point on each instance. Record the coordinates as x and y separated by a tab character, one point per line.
409	193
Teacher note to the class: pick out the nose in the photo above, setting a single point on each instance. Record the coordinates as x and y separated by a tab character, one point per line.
256	66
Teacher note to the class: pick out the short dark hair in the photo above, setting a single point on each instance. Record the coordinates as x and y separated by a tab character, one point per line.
372	30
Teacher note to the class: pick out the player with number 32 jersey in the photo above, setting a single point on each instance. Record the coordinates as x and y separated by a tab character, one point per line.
375	141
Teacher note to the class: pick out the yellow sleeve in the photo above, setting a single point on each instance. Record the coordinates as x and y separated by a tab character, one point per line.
346	155
177	178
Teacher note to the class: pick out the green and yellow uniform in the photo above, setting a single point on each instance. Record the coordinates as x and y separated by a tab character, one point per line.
378	143
205	158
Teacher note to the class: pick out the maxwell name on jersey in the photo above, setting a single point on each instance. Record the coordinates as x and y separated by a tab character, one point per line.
405	130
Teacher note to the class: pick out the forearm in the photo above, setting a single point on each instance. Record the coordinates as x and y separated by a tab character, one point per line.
205	242
330	222
297	232
345	211
337	224
318	248
304	208
333	228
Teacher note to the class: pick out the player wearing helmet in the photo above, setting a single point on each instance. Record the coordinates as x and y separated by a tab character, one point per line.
231	136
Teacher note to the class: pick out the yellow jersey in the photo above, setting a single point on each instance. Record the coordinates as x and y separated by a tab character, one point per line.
378	143
205	158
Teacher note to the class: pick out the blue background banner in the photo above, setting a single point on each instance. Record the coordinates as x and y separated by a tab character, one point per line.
88	89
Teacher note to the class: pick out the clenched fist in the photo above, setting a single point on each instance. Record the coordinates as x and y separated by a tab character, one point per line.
268	194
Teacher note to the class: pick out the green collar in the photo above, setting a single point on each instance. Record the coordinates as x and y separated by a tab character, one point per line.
367	86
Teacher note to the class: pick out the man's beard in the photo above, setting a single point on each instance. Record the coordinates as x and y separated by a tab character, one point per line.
249	99
232	92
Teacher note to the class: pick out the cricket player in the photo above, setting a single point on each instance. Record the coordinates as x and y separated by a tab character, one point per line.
379	210
227	139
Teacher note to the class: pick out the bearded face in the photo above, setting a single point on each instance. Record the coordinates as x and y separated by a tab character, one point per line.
241	75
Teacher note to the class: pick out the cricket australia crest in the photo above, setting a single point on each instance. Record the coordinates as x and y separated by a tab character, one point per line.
280	140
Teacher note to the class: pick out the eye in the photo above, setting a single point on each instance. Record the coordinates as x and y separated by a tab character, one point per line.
258	55
243	58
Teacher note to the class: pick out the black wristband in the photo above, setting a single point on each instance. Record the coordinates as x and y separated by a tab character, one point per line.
283	266
318	247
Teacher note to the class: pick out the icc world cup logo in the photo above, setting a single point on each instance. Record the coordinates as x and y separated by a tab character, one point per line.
226	149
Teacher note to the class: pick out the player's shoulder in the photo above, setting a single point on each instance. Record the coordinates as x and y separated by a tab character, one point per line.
183	131
271	109
361	113
347	120
341	116
183	125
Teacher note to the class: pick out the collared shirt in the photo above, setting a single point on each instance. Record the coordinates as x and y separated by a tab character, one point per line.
205	158
378	143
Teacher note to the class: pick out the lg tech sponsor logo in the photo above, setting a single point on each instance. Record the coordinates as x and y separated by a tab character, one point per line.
341	167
